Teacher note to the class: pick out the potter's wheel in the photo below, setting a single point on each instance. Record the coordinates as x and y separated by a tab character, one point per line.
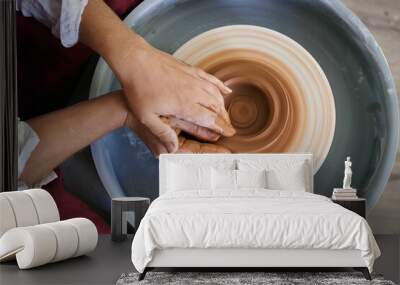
281	100
365	103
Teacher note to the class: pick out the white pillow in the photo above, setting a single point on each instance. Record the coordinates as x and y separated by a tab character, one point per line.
282	174
181	178
223	179
293	179
251	178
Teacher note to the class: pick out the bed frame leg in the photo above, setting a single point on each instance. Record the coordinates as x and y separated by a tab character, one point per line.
143	274
364	271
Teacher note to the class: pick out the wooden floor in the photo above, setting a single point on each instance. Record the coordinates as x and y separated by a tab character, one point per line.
382	17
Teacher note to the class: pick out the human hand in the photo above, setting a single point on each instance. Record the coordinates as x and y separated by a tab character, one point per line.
185	145
157	85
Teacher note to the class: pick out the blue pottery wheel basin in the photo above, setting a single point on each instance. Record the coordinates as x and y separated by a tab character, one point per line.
367	113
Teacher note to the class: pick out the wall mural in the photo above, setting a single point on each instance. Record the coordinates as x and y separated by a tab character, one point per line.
307	77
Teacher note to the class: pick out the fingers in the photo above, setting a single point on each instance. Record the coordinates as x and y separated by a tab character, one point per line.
150	140
162	131
168	122
214	80
213	87
206	118
213	91
195	130
214	101
155	146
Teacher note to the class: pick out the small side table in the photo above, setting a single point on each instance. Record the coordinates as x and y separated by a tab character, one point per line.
358	205
120	207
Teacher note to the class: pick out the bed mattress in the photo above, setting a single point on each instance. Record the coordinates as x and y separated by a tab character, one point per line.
250	219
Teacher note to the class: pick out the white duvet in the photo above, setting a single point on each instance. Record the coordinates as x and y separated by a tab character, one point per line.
252	218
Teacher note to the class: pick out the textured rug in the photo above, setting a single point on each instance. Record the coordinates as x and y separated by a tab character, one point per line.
244	278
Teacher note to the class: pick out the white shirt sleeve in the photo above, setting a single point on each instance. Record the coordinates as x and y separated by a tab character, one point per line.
27	141
62	16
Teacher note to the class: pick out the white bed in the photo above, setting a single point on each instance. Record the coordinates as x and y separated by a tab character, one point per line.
200	223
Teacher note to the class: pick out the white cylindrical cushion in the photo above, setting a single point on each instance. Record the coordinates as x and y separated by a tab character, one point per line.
23	208
33	246
7	218
87	234
26	208
37	245
67	239
45	205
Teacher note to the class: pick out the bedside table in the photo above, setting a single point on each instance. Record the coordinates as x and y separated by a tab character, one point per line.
358	205
120	209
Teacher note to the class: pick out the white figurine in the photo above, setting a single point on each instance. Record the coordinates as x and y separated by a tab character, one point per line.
347	174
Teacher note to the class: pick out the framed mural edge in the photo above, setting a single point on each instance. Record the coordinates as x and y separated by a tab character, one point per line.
8	97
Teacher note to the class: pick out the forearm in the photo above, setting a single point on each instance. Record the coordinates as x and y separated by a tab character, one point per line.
103	31
156	84
63	133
